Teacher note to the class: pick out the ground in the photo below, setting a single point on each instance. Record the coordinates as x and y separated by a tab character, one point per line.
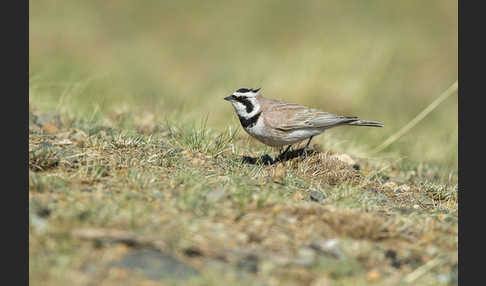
185	205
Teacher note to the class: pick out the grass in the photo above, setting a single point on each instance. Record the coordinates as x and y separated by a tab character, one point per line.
132	149
185	189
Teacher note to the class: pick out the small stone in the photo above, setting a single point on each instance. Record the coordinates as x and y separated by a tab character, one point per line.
316	196
416	207
193	252
403	210
344	158
156	265
65	142
50	128
373	275
43	212
329	247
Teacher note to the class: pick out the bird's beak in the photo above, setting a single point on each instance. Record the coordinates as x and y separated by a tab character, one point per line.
229	98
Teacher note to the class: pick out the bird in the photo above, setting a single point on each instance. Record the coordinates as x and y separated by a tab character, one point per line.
278	123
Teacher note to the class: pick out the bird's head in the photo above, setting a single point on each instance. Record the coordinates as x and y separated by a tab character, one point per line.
245	102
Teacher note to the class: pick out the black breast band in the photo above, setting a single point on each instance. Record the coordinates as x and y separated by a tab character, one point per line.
250	122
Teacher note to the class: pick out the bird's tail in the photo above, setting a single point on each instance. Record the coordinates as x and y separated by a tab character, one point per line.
366	123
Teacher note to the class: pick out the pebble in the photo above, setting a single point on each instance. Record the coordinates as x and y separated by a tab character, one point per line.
50	128
344	158
316	196
329	247
156	265
373	275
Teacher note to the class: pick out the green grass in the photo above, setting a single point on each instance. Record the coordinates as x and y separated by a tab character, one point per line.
186	187
146	154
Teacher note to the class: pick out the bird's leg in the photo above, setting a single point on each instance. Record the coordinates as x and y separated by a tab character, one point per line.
306	148
308	142
282	154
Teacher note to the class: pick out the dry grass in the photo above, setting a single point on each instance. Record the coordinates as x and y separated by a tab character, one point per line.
186	191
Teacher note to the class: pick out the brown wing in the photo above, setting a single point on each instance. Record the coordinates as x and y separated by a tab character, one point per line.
289	116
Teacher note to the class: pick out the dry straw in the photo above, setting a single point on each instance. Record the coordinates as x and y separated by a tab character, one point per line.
450	91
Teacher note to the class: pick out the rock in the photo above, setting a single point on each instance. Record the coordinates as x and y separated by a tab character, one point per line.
403	210
43	212
193	252
329	247
156	265
344	158
64	142
50	128
316	196
373	275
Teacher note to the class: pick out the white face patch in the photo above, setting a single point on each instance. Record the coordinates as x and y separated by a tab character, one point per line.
242	109
245	103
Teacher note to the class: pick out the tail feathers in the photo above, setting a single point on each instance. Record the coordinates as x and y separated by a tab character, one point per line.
366	123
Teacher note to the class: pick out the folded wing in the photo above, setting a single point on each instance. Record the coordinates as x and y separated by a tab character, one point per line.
288	116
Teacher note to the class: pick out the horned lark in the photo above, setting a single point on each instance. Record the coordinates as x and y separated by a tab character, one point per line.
278	123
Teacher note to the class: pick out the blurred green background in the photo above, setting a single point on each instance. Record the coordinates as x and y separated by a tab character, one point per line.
380	60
